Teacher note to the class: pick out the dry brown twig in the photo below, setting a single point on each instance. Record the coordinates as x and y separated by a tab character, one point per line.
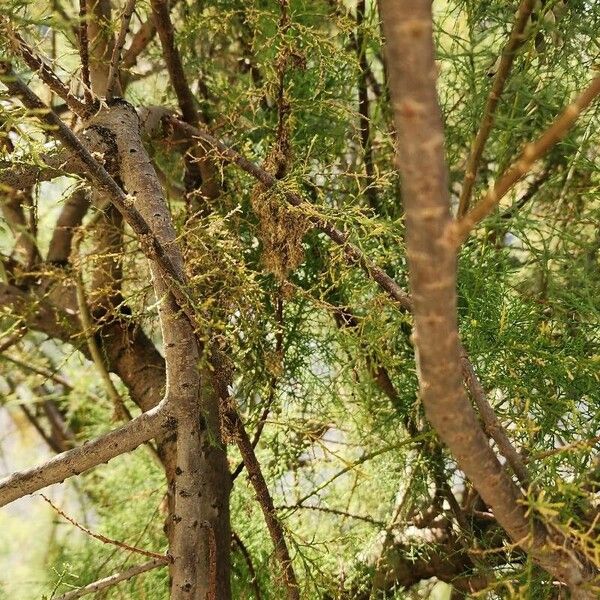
100	537
111	580
40	66
115	60
84	52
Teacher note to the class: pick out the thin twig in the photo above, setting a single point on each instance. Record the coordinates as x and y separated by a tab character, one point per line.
246	554
272	386
265	501
334	511
515	40
120	410
531	154
84	52
33	420
352	253
573	447
43	371
111	580
363	108
103	538
115	59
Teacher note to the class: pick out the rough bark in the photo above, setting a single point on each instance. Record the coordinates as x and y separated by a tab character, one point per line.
201	485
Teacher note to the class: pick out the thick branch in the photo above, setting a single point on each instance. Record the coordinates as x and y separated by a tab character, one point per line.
82	458
432	268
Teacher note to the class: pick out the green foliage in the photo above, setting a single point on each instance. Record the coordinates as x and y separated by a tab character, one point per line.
335	451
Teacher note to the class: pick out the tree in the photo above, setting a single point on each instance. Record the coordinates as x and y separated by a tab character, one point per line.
203	206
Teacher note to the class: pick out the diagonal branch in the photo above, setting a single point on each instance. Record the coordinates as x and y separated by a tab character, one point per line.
103	538
146	426
198	167
84	52
432	261
40	66
264	499
151	246
352	253
166	33
530	155
516	39
354	256
111	580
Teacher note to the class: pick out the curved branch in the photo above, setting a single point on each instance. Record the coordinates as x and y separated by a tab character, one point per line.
530	155
432	264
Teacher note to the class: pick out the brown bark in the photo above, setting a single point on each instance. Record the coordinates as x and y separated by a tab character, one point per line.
197	468
432	268
516	39
202	484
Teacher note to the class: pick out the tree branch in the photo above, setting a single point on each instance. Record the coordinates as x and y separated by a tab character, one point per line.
432	264
40	66
113	71
146	426
531	153
514	42
103	538
114	579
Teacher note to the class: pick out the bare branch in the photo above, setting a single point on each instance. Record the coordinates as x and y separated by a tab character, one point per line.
408	26
115	60
238	431
530	155
166	33
146	426
120	410
197	166
352	254
246	554
114	579
363	108
493	427
142	37
84	52
514	42
71	216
